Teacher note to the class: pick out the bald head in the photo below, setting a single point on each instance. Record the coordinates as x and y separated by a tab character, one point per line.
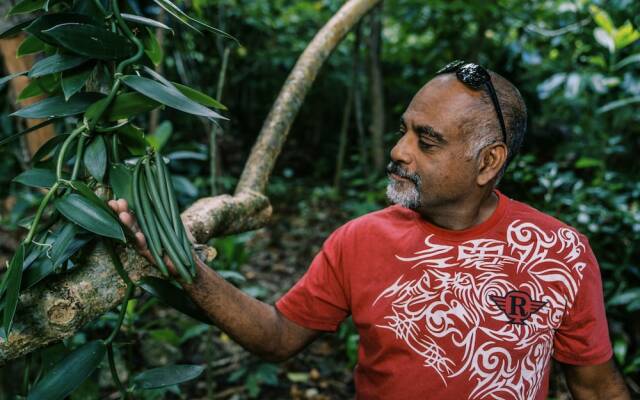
478	119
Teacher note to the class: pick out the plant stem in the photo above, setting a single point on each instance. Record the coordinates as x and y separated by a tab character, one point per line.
116	262
125	29
41	207
114	372
121	66
65	146
79	151
114	144
123	311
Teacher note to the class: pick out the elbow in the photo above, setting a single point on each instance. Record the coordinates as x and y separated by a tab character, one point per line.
275	355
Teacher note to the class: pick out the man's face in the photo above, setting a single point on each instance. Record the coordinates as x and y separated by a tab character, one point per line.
429	167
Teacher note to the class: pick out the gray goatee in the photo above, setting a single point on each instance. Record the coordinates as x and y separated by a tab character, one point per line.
403	193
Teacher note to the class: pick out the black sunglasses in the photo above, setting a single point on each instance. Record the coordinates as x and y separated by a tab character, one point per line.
474	76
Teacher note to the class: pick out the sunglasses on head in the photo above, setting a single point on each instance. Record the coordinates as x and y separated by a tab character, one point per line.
474	76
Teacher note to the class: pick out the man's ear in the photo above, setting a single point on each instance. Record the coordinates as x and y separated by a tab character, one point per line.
491	160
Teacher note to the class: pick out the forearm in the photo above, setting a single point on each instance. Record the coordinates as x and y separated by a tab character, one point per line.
601	382
255	325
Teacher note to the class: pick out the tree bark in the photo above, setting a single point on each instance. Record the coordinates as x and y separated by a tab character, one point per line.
57	309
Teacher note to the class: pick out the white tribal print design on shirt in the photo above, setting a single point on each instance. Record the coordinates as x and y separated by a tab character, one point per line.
455	301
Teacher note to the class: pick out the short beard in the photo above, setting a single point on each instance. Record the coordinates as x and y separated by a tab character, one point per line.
409	197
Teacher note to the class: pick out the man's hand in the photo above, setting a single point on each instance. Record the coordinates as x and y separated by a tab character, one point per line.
121	208
255	325
596	382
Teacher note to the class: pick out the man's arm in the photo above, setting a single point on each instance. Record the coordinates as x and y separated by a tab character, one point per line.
596	382
255	325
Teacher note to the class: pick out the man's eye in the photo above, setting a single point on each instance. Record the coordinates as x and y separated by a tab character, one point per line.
424	145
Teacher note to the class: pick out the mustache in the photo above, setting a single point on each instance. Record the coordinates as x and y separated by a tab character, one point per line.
394	168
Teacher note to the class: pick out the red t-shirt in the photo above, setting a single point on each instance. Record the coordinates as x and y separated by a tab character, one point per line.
470	314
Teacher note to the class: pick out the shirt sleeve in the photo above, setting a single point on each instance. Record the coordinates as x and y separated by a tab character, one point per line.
318	300
583	336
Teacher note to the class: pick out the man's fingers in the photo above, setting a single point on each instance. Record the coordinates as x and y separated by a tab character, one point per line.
122	205
129	221
141	241
114	205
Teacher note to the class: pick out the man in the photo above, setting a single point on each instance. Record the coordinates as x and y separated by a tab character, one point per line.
457	291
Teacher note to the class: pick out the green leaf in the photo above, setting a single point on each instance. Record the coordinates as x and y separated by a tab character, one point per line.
30	45
48	21
166	376
31	90
635	58
65	244
69	373
57	106
173	296
37	177
602	18
161	135
133	139
587	162
165	335
91	41
73	81
617	104
11	285
167	95
124	106
55	63
176	12
90	195
152	48
136	19
62	243
198	96
180	15
28	130
47	84
95	158
48	147
38	270
15	29
91	217
120	178
26	6
625	35
7	78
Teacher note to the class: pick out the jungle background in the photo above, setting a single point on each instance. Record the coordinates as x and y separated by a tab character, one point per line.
577	64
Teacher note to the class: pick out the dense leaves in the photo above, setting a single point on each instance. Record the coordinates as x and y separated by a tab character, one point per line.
69	373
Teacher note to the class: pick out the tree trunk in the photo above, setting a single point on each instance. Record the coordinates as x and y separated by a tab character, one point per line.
377	91
357	104
346	118
51	312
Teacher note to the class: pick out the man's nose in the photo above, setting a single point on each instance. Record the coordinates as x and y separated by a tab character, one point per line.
400	151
